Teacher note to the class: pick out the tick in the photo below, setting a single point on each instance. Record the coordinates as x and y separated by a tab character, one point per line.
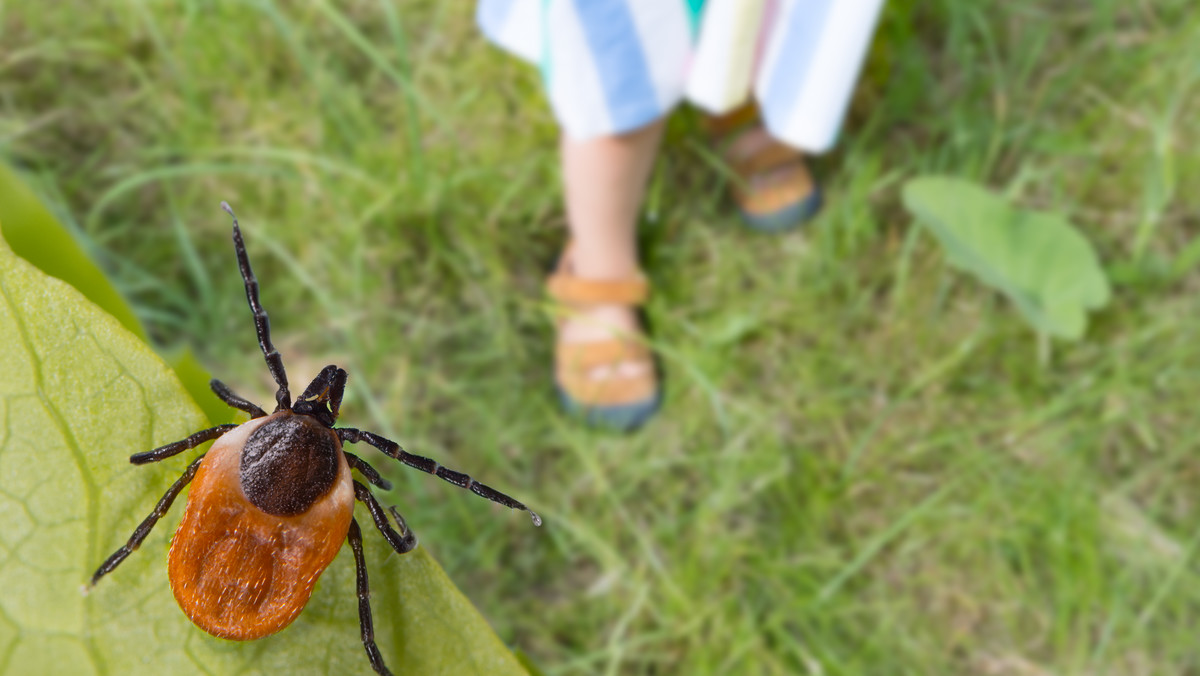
272	501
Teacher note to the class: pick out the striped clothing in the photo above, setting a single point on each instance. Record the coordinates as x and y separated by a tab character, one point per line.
612	66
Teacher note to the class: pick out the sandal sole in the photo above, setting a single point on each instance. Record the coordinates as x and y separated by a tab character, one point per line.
620	418
787	218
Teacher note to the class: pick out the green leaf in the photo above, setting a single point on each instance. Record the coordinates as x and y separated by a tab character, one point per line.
81	393
36	235
1038	259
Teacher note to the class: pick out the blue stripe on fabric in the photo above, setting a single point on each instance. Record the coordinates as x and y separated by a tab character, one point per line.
491	14
806	22
621	65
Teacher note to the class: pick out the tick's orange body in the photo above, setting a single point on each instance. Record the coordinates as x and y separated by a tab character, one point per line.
239	572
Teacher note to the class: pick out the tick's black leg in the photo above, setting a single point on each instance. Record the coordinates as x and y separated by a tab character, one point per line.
144	529
163	452
262	325
364	600
327	388
367	471
226	395
404	541
351	435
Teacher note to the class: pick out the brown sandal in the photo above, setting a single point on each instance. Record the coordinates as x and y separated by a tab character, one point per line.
775	190
618	402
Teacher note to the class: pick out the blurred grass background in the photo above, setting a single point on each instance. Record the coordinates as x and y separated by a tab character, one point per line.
861	466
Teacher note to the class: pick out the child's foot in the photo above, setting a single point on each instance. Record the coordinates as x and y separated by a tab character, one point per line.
603	368
775	190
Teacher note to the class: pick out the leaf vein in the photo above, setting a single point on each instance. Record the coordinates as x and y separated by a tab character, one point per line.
90	490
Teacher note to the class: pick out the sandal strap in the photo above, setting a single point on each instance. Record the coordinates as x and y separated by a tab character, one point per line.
722	127
583	357
772	156
575	361
568	289
726	128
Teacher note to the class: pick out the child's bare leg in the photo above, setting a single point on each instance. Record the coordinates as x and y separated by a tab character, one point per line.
605	182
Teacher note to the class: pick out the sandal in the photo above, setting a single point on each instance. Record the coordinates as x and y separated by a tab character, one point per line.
775	190
620	402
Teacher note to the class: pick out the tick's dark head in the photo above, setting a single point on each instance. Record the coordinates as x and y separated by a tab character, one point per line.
323	396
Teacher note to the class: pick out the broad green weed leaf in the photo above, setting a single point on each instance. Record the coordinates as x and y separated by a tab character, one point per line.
35	234
1039	260
79	394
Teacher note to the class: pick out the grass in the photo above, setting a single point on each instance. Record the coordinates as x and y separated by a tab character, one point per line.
861	466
